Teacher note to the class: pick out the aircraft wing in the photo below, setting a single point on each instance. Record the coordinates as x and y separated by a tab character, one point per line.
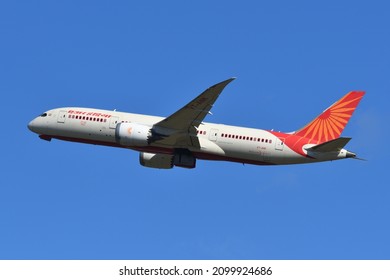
194	112
181	126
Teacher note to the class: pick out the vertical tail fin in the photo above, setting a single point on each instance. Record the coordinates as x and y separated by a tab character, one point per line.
331	123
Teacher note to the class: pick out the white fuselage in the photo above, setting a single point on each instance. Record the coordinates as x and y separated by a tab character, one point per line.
217	141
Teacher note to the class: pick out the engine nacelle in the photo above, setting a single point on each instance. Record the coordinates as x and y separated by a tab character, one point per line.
132	134
160	161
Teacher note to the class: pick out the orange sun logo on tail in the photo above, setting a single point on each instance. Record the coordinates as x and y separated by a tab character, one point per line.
331	123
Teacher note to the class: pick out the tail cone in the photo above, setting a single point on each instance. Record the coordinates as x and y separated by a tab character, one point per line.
350	155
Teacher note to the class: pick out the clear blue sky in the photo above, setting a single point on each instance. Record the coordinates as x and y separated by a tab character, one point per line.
62	200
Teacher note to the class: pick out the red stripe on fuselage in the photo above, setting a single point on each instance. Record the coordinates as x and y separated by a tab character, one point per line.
205	156
151	149
148	149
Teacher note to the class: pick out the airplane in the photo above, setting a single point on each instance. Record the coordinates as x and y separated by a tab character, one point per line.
183	137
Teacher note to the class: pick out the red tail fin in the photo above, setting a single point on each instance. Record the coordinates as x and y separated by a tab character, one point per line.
331	123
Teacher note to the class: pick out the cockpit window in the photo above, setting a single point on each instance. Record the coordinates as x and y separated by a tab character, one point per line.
44	115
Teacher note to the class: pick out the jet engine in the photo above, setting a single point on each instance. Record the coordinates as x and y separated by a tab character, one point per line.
132	134
161	161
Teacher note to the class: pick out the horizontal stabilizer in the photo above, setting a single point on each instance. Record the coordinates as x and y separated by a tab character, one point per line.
331	146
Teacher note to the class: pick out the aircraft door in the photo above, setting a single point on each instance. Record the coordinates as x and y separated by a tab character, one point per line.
114	121
213	134
61	116
279	144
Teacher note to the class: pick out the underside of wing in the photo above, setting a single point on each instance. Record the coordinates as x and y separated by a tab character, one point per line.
180	127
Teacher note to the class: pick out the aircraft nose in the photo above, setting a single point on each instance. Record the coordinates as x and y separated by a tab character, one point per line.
32	126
